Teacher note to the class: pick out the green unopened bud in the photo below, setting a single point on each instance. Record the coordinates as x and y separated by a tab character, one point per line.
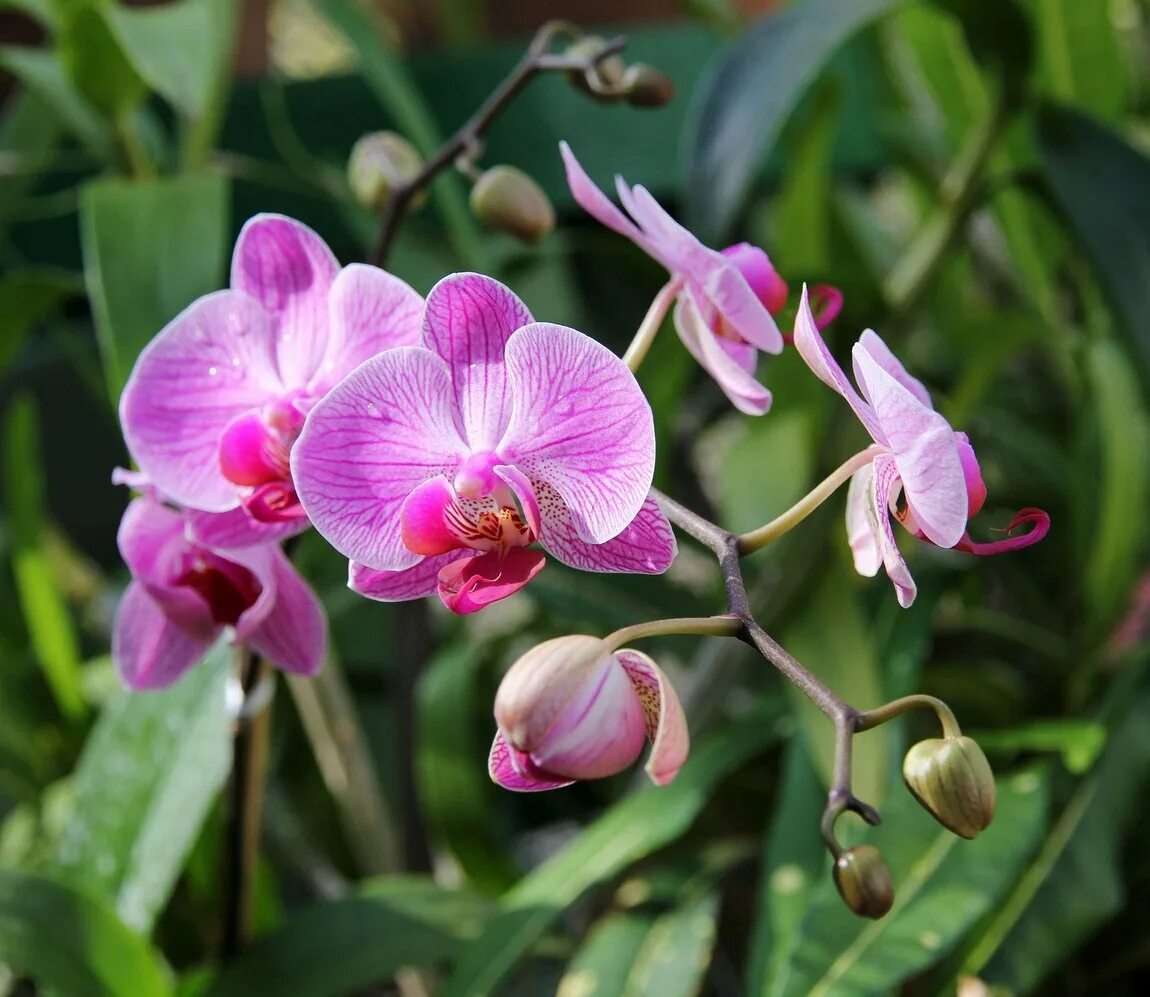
508	200
645	86
952	779
380	161
608	72
864	881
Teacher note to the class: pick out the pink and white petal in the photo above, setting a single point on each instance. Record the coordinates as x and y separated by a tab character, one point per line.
647	546
289	269
597	204
732	297
293	635
211	363
400	586
925	449
149	649
469	584
860	533
580	423
975	486
744	354
237	528
376	437
666	723
526	778
524	493
813	349
884	483
881	354
370	311
731	375
468	320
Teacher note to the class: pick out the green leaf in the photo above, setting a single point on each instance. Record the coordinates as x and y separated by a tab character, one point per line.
1102	186
631	829
943	885
743	103
1078	741
96	63
150	249
603	963
676	953
344	946
181	49
1080	59
70	944
145	782
27	297
46	615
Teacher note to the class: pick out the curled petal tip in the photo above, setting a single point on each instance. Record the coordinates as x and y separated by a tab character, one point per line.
827	302
1037	519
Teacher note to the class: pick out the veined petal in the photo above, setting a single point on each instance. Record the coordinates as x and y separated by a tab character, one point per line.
237	528
370	311
597	204
581	424
400	586
289	269
925	449
213	362
884	481
376	437
647	545
468	321
739	385
665	722
860	532
880	353
522	777
150	650
469	584
293	634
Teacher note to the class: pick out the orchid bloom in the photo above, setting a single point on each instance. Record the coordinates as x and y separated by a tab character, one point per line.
182	596
917	455
724	301
216	400
573	709
435	468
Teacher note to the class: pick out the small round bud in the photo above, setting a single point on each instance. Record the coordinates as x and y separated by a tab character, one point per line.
864	881
608	72
508	200
379	161
645	86
952	779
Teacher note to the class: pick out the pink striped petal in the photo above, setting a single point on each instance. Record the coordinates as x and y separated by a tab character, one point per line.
647	546
293	633
150	650
400	586
665	722
286	267
972	474
524	493
523	777
376	437
880	353
213	362
597	204
739	385
581	424
469	584
860	517
924	448
884	484
238	528
760	274
468	321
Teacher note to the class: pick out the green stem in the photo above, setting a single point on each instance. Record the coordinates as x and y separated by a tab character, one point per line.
140	164
652	322
700	626
888	711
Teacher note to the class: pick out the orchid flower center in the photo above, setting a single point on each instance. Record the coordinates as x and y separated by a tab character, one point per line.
255	453
228	588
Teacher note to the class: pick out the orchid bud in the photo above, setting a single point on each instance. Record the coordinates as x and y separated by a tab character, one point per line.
863	880
572	708
379	162
952	779
609	71
646	86
508	200
764	279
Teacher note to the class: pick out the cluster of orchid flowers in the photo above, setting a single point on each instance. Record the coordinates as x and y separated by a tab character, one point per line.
446	446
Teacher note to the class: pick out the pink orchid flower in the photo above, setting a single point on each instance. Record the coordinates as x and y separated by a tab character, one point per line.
216	400
917	456
182	596
571	709
724	301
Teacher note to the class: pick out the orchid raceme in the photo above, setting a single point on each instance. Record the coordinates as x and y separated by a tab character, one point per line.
436	468
216	401
182	596
572	709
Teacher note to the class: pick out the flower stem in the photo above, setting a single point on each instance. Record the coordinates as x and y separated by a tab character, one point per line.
702	626
888	711
649	327
757	539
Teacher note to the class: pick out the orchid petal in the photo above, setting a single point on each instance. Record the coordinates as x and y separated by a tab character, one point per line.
828	304
213	362
423	521
972	474
238	528
468	584
289	269
379	434
293	634
580	423
597	204
522	779
739	385
647	545
1037	519
881	354
150	650
860	534
524	493
884	482
665	721
400	586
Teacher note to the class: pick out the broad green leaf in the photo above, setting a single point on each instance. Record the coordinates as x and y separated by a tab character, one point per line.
95	61
43	11
27	297
46	614
1080	59
1102	186
603	962
674	958
181	49
1078	741
29	132
150	249
1076	881
943	885
147	778
72	945
344	946
747	97
633	828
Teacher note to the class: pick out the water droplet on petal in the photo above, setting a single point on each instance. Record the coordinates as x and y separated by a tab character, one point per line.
212	371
